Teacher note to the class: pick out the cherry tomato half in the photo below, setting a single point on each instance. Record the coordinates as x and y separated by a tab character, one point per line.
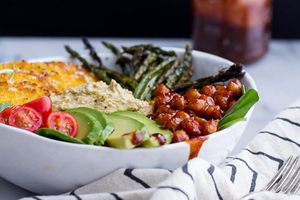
5	114
63	122
27	118
43	105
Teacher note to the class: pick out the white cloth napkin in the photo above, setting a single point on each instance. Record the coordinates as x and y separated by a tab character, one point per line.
236	176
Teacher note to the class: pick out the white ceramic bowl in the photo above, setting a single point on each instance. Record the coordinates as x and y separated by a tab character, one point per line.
47	166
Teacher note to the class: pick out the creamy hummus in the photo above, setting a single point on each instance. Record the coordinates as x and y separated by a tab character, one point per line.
102	97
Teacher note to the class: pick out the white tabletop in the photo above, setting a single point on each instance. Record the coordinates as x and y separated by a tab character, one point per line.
276	75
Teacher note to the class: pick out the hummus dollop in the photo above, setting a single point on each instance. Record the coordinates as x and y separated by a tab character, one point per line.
102	97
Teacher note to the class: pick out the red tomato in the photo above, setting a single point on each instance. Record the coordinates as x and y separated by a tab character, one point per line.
5	114
43	105
63	122
25	117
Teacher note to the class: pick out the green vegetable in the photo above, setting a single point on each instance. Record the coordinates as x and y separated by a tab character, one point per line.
231	122
143	84
151	126
89	128
57	135
149	47
128	132
143	68
5	105
234	71
107	124
238	111
11	71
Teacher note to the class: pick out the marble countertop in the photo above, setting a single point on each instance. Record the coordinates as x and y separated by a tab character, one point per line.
276	76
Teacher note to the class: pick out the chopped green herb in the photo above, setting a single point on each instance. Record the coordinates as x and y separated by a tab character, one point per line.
11	71
5	105
238	111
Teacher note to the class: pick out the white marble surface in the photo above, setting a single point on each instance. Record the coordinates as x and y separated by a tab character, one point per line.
277	76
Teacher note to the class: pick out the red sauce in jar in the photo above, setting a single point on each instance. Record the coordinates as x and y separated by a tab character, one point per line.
238	30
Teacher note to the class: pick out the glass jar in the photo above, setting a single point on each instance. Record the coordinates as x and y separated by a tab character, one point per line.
238	30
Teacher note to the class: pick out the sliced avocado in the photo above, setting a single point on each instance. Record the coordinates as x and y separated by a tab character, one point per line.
152	127
108	125
57	135
151	142
128	132
89	128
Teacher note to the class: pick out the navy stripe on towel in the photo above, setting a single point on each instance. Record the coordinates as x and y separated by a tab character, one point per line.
291	108
36	198
128	172
116	196
280	161
233	172
185	170
283	138
254	176
75	195
288	120
211	170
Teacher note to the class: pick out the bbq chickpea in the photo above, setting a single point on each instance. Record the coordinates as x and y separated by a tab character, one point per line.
179	136
200	120
172	124
223	98
161	89
183	115
220	87
162	109
208	90
162	99
198	106
190	126
211	126
162	118
191	94
178	103
208	99
236	88
230	104
212	112
172	112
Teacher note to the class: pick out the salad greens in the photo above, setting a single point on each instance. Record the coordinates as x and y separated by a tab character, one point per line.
238	111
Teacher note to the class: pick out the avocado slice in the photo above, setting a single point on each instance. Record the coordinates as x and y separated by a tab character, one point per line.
57	135
89	128
128	132
153	128
107	124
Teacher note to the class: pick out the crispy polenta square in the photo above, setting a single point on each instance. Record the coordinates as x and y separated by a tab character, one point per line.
22	92
40	79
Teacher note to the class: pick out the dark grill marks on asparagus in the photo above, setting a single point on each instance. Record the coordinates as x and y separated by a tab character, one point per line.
105	74
92	50
145	66
183	71
149	47
234	71
121	60
138	92
187	65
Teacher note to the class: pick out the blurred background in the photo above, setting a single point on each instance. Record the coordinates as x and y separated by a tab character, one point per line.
118	18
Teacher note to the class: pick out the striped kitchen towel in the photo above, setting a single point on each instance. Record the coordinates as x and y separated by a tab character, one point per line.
236	176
